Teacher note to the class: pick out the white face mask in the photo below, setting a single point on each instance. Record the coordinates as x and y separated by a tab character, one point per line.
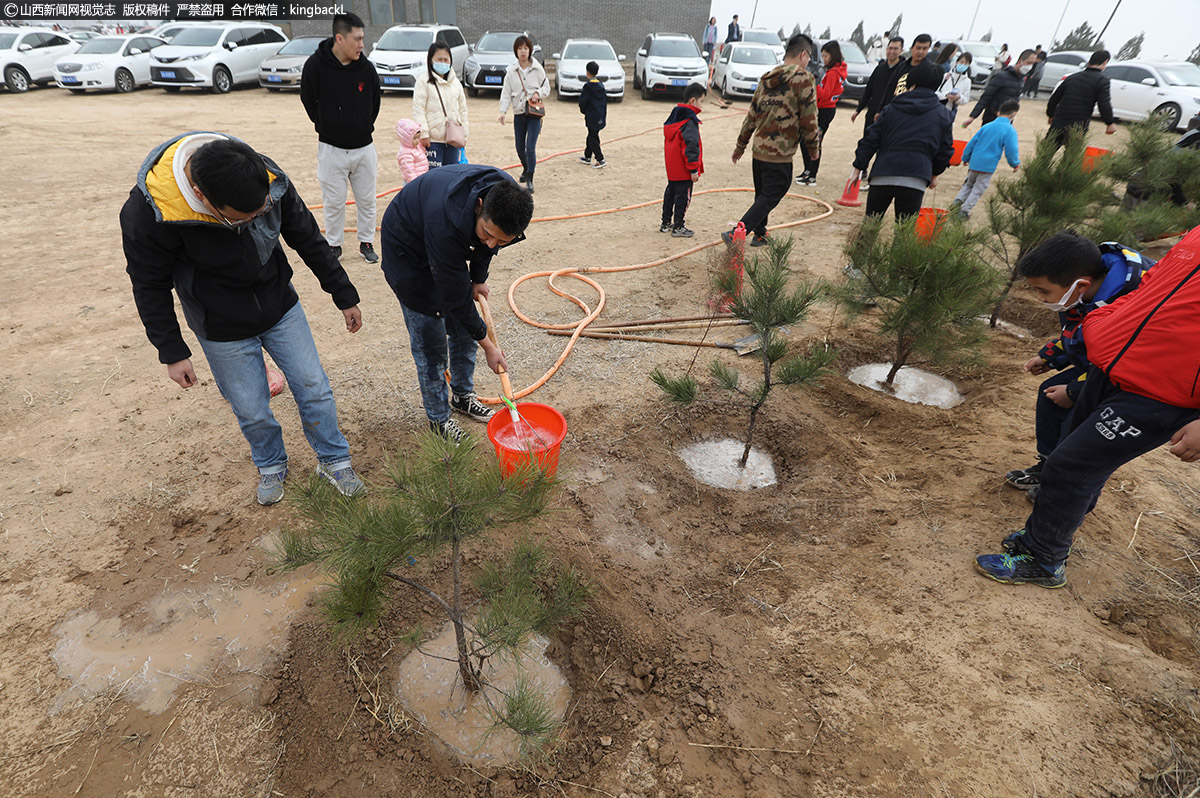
1061	304
1021	70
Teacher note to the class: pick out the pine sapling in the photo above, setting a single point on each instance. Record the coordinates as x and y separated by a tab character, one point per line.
930	293
766	302
442	496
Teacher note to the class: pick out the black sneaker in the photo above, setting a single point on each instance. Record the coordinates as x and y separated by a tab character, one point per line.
471	405
1026	478
681	232
524	177
805	179
759	241
449	430
600	165
1010	545
1032	494
665	227
367	250
585	160
529	183
1020	569
337	252
727	237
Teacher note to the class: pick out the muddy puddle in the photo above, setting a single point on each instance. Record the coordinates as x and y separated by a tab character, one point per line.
717	463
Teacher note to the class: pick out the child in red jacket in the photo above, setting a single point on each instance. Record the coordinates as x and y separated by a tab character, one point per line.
685	160
828	94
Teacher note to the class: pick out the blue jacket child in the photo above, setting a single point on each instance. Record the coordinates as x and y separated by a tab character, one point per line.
994	139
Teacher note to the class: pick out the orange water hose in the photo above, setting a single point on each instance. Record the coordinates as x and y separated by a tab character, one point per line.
579	272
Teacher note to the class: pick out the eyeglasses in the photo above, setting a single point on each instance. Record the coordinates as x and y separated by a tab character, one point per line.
240	223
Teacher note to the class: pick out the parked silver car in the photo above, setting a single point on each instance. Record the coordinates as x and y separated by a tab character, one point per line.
570	70
490	57
740	66
1060	64
282	70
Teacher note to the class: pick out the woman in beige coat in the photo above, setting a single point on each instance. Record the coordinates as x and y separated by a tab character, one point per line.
439	99
525	84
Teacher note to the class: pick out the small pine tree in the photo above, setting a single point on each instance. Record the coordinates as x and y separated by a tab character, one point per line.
987	37
1131	48
766	303
808	30
930	294
858	36
780	33
1080	38
442	496
828	33
796	29
895	29
1195	56
1050	193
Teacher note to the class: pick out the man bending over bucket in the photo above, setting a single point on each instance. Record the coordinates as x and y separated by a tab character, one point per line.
205	218
439	235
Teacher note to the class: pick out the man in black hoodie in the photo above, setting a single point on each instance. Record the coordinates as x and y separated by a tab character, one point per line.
1074	98
340	92
1005	84
872	98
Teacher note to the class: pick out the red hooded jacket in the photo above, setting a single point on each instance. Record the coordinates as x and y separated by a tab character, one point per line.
681	143
830	90
1146	341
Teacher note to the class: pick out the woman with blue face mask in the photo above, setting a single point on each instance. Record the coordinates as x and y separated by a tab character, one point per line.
956	86
438	102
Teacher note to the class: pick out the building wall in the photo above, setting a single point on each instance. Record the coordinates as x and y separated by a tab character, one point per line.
625	23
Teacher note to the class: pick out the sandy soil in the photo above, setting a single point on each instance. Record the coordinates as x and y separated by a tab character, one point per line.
826	636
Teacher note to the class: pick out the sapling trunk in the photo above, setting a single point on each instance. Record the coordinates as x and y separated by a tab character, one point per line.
749	435
902	353
469	677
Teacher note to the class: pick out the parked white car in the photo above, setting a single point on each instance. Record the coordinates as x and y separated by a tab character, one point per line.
399	55
667	63
763	36
108	62
282	70
983	57
27	56
1167	90
571	68
740	66
1059	64
216	57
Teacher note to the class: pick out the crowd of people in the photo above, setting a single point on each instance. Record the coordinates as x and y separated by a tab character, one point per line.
207	216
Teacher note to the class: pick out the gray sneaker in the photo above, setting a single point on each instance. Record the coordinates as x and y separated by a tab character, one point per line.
344	479
270	488
471	405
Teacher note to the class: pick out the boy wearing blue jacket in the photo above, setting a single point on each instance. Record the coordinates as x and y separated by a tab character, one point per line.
982	156
593	104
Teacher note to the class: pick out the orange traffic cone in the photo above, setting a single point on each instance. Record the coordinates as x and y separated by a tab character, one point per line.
849	196
737	258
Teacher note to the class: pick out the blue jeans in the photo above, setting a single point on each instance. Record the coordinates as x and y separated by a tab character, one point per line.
526	129
241	376
1108	428
440	154
435	341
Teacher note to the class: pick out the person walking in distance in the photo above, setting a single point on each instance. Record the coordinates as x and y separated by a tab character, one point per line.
1075	98
525	89
439	106
734	32
828	94
877	85
341	94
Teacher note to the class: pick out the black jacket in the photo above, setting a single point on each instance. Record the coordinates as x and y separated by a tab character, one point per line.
430	253
911	139
1003	85
894	87
341	100
872	98
593	104
1074	98
233	285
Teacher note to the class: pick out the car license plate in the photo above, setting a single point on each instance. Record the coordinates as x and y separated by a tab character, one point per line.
678	82
69	79
167	74
274	79
753	87
493	78
389	81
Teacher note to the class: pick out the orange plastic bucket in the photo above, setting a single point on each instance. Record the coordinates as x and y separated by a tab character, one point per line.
960	146
515	446
928	222
1092	157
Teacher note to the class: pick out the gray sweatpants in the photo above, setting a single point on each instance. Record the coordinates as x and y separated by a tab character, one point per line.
976	184
336	166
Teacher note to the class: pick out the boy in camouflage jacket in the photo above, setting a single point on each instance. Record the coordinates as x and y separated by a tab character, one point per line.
782	111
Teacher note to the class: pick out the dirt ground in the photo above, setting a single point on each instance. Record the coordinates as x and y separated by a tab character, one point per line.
827	636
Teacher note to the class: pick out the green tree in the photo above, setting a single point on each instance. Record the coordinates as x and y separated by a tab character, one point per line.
930	294
858	37
442	496
828	34
1195	56
780	34
1080	38
1132	48
987	37
895	29
1048	194
808	30
766	303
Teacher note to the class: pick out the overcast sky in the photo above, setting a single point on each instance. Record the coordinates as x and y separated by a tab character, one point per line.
1172	26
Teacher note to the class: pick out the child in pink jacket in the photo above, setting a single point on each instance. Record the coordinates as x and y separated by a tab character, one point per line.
411	155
